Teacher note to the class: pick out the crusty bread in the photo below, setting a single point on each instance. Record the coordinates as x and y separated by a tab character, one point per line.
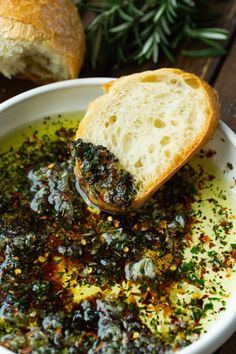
153	122
40	40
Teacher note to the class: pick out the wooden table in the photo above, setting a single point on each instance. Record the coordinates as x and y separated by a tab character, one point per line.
219	72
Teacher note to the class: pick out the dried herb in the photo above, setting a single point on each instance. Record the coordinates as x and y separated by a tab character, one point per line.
136	262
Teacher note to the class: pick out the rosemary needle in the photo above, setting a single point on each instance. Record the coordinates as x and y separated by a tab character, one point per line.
140	30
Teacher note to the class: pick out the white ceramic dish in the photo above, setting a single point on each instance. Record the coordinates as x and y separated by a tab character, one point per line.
74	95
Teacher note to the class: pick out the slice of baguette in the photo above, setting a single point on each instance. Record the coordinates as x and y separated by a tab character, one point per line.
154	122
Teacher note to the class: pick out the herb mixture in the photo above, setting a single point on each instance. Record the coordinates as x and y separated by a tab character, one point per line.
101	174
75	280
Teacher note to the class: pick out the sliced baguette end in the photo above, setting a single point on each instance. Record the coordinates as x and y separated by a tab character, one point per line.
120	100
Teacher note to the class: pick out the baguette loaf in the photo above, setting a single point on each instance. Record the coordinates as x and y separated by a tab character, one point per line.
40	40
153	122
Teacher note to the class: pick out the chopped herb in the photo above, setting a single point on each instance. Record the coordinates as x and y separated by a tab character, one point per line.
195	249
102	176
75	280
208	306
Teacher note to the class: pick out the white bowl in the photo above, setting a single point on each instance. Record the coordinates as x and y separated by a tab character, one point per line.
74	95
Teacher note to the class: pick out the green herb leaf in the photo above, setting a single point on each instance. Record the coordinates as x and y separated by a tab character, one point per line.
200	53
139	30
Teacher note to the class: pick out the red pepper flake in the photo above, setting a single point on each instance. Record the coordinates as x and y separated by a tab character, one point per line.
211	245
175	349
66	195
228	262
177	261
224	223
100	346
75	227
211	177
204	238
210	153
26	350
233	254
43	217
167	309
202	272
189	239
116	223
16	195
163	224
58	332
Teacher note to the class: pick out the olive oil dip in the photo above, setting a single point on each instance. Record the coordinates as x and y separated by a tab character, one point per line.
77	280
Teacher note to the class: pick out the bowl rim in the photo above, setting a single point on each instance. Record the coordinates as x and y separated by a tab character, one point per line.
217	334
61	85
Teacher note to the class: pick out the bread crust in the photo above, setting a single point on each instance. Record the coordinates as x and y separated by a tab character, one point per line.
213	114
55	22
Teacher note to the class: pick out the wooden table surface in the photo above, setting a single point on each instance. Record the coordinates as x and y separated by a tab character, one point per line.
219	72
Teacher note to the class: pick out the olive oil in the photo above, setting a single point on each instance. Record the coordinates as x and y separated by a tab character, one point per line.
76	280
46	125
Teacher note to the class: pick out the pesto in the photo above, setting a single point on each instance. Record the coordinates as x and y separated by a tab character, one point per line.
102	176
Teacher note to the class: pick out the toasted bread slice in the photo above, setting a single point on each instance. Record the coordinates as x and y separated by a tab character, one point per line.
153	122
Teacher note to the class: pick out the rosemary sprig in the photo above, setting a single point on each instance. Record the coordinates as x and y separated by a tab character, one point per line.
139	30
